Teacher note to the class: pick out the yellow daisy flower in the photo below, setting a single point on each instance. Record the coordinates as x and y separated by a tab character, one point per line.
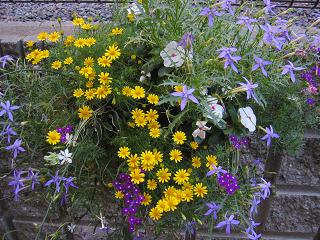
194	145
147	199
103	91
196	162
163	175
200	190
152	115
155	132
30	44
153	124
124	152
78	21
88	62
138	92
90	93
158	155
187	195
80	43
162	206
86	26
155	214
89	84
133	161
151	184
53	137
137	113
56	65
179	137
181	176
42	36
104	78
68	61
116	31
137	176
104	61
140	121
126	91
153	99
119	195
211	160
53	37
78	92
113	52
176	155
85	112
90	41
172	203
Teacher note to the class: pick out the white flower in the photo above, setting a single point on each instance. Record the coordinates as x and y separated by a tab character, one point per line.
247	118
71	227
173	55
135	9
144	76
201	130
65	157
215	108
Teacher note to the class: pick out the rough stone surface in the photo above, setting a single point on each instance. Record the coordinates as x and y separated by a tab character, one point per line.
294	214
304	168
27	12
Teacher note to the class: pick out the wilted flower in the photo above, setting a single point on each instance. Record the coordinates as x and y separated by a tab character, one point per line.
186	95
248	118
187	41
4	59
201	130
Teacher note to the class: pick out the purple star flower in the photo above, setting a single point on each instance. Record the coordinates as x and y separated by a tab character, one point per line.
248	86
261	63
5	59
7	108
16	148
216	170
8	131
270	134
264	188
213	209
290	68
252	235
268	7
310	101
210	13
244	20
185	95
187	41
227	4
68	183
56	179
17	183
228	222
225	52
33	177
270	36
254	205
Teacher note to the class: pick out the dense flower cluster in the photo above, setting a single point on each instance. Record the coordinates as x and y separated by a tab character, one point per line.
132	199
164	112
